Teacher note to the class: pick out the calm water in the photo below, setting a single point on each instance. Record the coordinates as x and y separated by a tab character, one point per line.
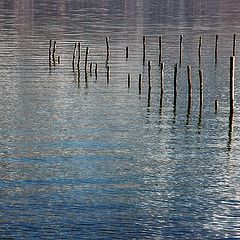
86	159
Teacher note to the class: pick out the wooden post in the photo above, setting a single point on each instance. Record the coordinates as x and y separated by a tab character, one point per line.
144	49
129	80
180	49
126	52
50	52
232	70
73	58
149	74
86	59
162	78
54	50
175	85
199	49
96	70
79	56
140	83
160	50
216	106
216	49
234	45
189	74
108	49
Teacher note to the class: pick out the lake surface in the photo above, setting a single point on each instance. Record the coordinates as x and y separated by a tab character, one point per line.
86	157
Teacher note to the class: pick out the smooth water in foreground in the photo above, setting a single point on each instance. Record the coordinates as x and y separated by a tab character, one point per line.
86	158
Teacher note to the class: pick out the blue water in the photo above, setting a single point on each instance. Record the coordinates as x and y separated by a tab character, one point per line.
84	158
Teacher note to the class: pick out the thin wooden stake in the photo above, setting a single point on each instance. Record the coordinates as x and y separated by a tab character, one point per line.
149	74
86	59
96	70
144	49
129	80
232	73
108	73
126	52
216	49
140	83
234	45
79	55
54	50
108	49
200	49
160	50
90	69
73	58
180	49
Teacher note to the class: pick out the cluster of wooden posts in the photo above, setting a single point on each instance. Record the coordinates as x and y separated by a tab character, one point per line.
76	67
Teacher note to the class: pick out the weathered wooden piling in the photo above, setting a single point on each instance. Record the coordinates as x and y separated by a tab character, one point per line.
234	44
73	57
200	49
129	80
50	52
162	78
96	70
86	59
140	83
149	75
127	52
108	49
175	85
216	49
53	52
189	74
180	49
79	55
59	60
216	105
144	49
160	50
232	76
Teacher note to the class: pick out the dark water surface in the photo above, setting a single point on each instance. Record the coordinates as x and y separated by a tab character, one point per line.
86	159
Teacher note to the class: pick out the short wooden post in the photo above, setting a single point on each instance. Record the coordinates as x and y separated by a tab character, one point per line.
160	50
96	70
126	52
234	45
79	55
54	50
129	80
149	74
216	49
180	49
189	74
108	49
144	49
73	57
86	59
199	49
216	106
232	71
175	85
140	84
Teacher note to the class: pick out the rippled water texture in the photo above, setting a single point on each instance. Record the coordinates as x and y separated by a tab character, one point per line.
89	157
